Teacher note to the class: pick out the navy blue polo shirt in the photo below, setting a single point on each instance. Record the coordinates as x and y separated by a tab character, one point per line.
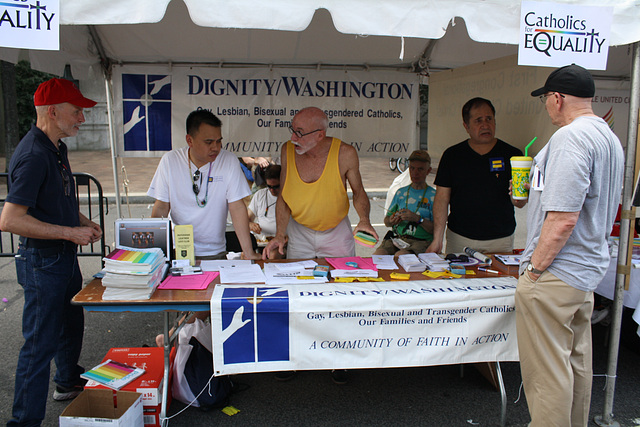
40	178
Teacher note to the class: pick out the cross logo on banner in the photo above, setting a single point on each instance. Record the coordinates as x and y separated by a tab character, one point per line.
146	109
255	324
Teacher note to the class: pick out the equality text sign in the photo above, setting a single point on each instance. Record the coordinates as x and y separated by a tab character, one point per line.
374	111
260	328
554	35
30	24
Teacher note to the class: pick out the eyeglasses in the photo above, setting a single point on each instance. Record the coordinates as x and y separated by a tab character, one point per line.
273	187
543	98
196	177
300	134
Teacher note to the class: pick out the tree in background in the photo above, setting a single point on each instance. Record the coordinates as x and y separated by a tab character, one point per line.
27	81
18	83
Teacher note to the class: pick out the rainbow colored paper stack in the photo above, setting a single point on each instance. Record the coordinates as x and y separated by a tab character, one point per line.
365	239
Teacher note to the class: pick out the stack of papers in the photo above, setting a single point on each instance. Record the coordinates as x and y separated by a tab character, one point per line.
434	262
292	273
411	263
384	262
127	260
354	273
113	374
132	274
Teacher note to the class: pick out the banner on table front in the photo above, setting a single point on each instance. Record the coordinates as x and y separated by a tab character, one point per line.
374	111
363	325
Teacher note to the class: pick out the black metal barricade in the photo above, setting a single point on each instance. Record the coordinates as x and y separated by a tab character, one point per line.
92	204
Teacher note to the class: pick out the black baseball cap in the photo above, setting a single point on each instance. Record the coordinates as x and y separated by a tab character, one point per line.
570	80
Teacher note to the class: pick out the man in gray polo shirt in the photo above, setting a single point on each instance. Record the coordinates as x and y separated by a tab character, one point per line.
576	181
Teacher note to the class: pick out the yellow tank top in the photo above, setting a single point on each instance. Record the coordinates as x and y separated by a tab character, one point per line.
318	205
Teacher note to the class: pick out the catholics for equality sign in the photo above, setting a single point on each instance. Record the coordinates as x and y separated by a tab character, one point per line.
259	328
554	35
374	111
30	24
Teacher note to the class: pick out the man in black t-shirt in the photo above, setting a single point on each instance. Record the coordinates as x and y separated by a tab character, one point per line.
473	186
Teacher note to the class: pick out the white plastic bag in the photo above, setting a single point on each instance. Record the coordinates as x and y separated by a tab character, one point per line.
180	387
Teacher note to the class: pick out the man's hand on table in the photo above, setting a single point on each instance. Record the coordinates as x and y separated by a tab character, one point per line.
435	247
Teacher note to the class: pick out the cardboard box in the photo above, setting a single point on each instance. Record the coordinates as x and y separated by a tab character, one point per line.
151	415
151	359
104	408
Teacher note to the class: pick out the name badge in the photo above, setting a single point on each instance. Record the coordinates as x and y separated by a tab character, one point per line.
537	179
496	164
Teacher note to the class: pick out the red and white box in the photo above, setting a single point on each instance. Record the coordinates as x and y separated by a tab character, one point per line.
149	384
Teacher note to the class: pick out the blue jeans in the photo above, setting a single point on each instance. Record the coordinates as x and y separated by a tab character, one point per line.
51	326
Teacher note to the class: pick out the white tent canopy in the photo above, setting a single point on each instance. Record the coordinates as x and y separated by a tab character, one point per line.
298	32
407	35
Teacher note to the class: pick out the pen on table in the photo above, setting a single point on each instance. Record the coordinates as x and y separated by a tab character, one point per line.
488	270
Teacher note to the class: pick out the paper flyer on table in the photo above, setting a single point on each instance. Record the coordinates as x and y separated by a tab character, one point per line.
189	282
341	263
242	274
217	264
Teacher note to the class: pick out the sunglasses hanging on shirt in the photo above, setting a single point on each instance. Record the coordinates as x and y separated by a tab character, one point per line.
64	172
196	181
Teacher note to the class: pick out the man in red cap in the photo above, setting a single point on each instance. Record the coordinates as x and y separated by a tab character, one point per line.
41	207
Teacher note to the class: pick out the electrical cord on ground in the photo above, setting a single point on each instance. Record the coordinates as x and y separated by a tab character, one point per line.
207	386
235	388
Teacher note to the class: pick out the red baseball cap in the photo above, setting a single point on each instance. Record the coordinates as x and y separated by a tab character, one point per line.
57	91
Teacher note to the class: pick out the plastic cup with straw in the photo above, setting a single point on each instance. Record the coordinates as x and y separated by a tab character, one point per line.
520	170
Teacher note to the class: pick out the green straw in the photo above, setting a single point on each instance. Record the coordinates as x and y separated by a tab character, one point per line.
526	149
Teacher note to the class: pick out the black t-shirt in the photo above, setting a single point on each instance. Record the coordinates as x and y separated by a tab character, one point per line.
480	205
40	178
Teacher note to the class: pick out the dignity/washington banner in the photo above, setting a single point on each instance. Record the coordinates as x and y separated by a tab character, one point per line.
260	328
374	111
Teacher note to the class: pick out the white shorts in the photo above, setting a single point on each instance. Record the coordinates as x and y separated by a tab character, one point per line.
305	243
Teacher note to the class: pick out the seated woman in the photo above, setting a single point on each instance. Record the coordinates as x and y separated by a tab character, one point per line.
262	209
411	211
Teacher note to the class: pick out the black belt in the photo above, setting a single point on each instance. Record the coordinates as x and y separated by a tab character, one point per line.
44	243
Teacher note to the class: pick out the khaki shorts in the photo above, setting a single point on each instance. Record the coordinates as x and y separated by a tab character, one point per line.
417	246
456	244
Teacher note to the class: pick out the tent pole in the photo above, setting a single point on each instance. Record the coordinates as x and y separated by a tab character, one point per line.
623	269
112	144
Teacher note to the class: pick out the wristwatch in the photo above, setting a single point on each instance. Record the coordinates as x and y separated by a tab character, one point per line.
534	270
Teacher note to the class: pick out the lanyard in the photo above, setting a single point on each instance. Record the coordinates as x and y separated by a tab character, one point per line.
266	202
406	202
193	181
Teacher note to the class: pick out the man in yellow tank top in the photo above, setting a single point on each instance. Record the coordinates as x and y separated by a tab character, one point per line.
311	213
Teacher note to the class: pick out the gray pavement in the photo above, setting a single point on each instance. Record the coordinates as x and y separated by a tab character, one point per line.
429	396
